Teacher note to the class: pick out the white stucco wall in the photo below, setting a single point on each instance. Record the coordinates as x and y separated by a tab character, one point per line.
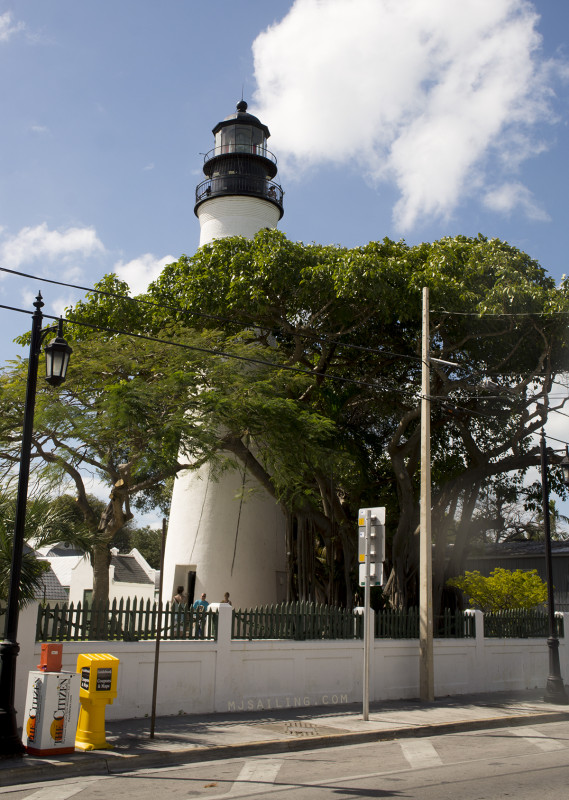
198	677
231	533
235	216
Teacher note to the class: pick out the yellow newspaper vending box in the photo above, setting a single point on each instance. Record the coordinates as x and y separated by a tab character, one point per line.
98	687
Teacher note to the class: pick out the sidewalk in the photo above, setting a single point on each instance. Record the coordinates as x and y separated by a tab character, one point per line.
186	739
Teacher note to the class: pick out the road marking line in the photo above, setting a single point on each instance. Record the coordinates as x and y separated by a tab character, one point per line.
420	753
59	792
259	771
539	739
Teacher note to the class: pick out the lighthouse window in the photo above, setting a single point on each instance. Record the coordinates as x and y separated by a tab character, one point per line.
258	141
243	139
240	139
227	136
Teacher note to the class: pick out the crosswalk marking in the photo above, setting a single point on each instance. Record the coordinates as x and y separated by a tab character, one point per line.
420	753
539	739
258	771
58	792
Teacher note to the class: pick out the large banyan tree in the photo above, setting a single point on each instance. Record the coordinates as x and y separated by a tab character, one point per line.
306	367
345	325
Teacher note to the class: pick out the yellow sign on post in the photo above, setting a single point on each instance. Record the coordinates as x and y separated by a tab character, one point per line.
98	687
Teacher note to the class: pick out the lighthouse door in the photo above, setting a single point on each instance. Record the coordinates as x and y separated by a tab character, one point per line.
191	587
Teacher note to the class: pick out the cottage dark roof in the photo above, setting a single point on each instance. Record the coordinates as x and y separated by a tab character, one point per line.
50	588
128	570
520	549
63	549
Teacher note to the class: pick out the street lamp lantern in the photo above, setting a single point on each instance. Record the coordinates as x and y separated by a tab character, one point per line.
57	358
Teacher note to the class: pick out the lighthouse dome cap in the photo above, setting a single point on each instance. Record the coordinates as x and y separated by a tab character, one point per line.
242	117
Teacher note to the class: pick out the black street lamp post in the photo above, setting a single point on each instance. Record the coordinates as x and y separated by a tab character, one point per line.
57	359
555	691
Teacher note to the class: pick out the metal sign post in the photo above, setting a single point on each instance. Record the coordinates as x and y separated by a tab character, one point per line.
366	616
371	553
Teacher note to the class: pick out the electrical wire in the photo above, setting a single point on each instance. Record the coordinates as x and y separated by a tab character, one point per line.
499	315
213	317
261	362
209	351
443	400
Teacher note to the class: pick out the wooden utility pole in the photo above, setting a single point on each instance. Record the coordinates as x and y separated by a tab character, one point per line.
158	633
426	662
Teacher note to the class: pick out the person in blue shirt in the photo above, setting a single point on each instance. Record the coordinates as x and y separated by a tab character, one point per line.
200	606
202	602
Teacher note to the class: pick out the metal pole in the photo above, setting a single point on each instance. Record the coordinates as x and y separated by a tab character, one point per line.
158	632
426	661
366	617
554	691
10	742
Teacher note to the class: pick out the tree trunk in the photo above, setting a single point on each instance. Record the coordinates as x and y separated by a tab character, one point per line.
101	561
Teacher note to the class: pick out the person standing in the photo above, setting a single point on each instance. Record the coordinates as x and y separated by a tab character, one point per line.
202	602
226	599
179	597
200	607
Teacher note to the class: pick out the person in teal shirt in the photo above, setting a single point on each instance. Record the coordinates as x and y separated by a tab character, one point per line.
202	602
200	607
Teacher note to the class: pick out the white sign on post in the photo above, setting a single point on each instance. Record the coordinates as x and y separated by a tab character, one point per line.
376	546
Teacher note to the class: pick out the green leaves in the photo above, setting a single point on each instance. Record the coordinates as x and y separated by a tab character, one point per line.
305	360
502	589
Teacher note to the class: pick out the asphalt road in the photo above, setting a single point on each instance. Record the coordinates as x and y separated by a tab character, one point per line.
526	763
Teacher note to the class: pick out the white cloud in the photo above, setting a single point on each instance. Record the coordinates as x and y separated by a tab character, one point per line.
59	304
430	95
39	129
509	196
7	27
31	244
141	271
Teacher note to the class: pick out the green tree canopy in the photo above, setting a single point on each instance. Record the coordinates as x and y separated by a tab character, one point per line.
308	370
134	411
351	318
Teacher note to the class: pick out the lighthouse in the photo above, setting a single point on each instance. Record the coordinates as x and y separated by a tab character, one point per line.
239	196
228	534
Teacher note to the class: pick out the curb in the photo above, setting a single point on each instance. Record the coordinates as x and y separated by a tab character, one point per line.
124	762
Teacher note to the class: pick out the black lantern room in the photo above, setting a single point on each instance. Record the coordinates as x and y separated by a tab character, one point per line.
240	163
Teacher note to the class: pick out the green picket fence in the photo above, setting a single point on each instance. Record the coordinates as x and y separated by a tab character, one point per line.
123	620
138	620
404	624
520	623
299	621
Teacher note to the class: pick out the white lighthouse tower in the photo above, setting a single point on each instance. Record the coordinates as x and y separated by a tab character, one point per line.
229	535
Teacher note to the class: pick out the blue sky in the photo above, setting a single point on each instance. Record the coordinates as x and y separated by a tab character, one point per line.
412	119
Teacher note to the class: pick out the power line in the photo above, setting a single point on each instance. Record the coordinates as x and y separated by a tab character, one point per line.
209	351
443	401
213	317
219	318
485	315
